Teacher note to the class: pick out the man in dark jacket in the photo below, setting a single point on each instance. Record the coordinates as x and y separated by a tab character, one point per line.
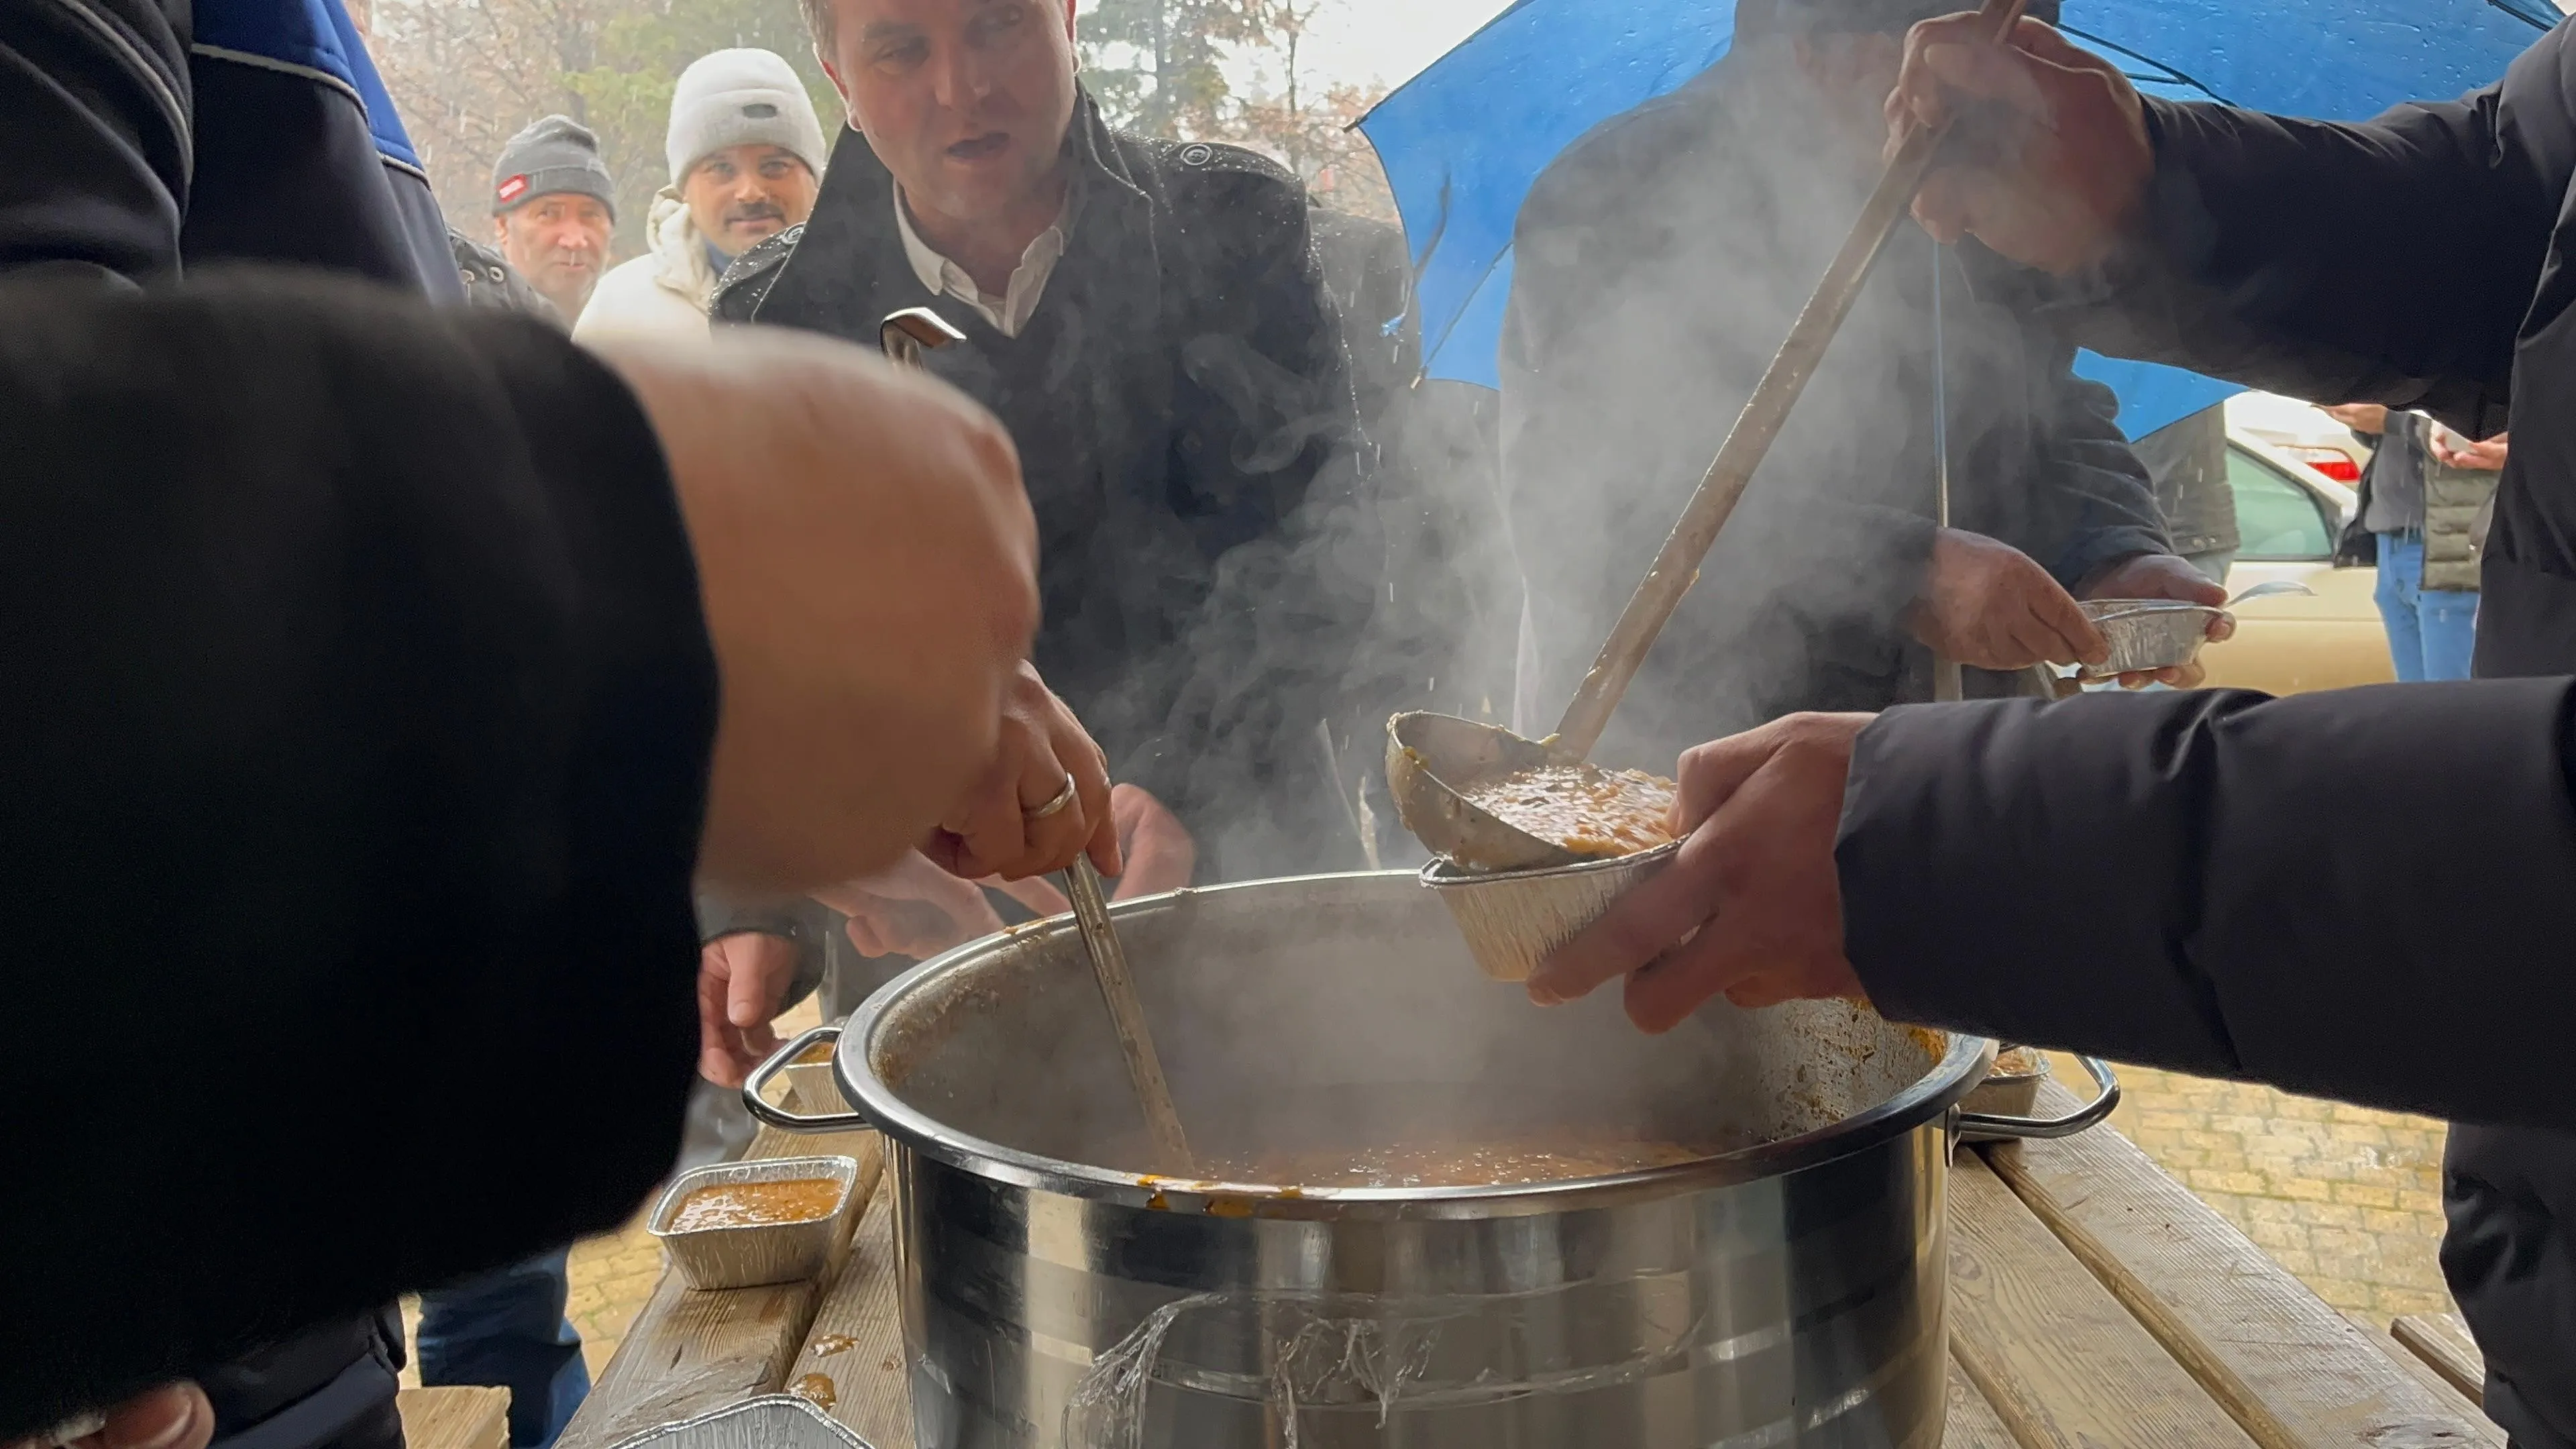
2235	908
1147	319
1657	265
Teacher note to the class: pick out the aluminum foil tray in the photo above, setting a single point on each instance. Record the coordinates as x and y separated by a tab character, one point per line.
1513	918
746	1257
2148	633
772	1421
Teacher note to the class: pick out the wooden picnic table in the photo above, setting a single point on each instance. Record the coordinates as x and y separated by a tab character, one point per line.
2094	1302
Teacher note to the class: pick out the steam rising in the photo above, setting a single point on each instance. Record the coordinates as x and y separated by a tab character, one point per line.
1659	265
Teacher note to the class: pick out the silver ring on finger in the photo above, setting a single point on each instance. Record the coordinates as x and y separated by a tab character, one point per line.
1063	798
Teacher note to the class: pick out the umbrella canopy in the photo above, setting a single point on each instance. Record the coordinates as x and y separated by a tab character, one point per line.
1463	141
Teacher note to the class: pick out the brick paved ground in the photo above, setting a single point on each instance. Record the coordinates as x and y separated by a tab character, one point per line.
2346	1198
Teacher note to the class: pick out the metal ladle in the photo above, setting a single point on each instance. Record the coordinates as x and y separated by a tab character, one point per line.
905	336
1424	759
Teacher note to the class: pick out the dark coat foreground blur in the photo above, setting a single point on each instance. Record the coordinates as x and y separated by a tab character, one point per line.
2143	877
1185	421
371	741
1658	264
144	131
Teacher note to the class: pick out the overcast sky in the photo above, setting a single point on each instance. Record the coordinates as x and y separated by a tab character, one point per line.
1388	40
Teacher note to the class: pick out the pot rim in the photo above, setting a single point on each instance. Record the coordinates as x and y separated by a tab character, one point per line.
1929	1099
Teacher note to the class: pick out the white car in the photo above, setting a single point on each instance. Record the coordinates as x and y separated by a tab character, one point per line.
2301	432
2288	519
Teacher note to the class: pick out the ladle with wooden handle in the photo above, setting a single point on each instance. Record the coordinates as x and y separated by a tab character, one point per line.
905	336
1422	786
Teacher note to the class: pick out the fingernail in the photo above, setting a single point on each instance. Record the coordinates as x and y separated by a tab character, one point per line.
1543	992
173	1432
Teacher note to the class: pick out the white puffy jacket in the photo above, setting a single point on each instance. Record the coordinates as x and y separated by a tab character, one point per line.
666	290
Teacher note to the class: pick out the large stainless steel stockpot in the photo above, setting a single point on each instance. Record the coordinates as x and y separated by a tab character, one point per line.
1786	1292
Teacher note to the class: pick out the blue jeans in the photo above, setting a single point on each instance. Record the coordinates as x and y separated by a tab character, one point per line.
2431	632
507	1328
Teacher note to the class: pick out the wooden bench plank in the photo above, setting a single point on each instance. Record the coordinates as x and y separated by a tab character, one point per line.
2059	1359
854	1356
2443	1341
688	1352
1973	1422
454	1416
2290	1370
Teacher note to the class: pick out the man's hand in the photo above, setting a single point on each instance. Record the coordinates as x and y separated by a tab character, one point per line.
1159	852
868	565
914	908
1987	604
2050	162
2163	576
173	1416
995	831
742	982
1750	909
2454	451
2360	417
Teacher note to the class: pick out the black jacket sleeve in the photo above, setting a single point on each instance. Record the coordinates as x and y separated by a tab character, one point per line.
2264	232
2364	894
359	734
94	159
2096	504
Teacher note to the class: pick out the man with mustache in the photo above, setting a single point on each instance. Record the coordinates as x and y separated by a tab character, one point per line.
1147	318
553	205
746	157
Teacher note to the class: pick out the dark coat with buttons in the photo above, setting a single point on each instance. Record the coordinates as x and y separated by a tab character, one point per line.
1185	422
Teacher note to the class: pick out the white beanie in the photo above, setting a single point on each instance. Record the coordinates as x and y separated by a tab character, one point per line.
740	98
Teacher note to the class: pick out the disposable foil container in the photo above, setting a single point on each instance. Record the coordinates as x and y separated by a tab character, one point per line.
2006	1092
772	1421
744	1257
2149	633
1513	918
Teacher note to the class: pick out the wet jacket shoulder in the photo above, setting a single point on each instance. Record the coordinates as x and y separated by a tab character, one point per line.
490	281
746	279
469	692
145	133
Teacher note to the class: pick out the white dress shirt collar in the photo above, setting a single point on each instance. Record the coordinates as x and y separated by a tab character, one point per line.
1010	312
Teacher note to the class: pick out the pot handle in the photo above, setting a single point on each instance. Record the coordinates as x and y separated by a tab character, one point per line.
2106	1097
779	1117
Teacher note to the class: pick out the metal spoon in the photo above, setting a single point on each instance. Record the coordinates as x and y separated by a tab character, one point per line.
1127	1018
2275	587
905	336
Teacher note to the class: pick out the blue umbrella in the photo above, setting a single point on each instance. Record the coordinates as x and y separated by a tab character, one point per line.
1463	140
